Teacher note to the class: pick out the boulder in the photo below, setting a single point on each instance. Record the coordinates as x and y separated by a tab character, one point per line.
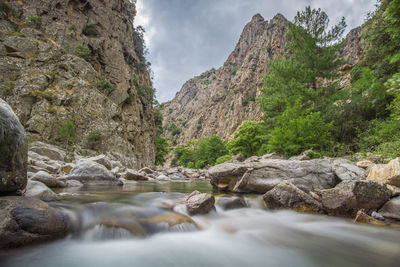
391	209
200	203
146	170
386	173
134	175
287	196
88	171
365	163
163	177
229	203
42	163
347	170
66	168
13	152
350	196
40	191
191	173
73	183
103	160
47	179
27	220
49	151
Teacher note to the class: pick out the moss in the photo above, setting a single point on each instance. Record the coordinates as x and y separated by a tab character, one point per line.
37	94
14	33
82	50
106	85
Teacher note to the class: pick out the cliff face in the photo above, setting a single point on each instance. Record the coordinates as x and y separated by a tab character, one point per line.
218	101
48	80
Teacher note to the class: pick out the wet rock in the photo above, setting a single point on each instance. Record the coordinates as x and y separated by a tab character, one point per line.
40	191
229	203
286	195
87	171
73	183
200	203
27	220
391	209
134	175
350	196
49	151
47	179
386	173
362	217
13	152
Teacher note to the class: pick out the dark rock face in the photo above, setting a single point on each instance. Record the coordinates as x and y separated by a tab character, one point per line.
13	152
27	220
200	203
350	196
286	195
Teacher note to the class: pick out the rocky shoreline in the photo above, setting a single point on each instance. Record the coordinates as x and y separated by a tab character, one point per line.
29	214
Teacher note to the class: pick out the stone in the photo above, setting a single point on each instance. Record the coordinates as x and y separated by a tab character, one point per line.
24	221
67	168
87	171
287	196
229	203
134	175
47	179
40	190
201	203
350	196
391	209
362	217
386	173
146	170
365	163
49	151
191	173
347	170
73	183
42	163
13	152
163	177
103	160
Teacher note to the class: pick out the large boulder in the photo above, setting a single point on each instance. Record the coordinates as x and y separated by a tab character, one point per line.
49	151
287	196
27	220
134	175
103	160
386	173
200	203
88	171
42	163
350	196
13	152
47	179
39	190
391	209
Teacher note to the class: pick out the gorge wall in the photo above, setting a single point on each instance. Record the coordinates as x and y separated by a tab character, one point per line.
218	101
48	77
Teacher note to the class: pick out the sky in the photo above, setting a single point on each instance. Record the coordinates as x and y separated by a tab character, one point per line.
187	37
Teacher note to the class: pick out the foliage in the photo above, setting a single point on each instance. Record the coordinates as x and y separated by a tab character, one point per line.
146	91
94	138
201	153
175	130
106	85
82	51
72	27
66	134
35	22
91	30
8	10
162	150
223	159
248	139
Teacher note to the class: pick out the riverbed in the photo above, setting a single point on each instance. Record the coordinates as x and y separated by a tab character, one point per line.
107	234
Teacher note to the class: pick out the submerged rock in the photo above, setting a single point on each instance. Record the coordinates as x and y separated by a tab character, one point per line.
27	220
200	203
47	179
350	196
13	152
286	195
40	191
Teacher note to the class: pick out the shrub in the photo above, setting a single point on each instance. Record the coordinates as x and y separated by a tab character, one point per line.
7	9
39	95
162	149
222	159
72	27
91	30
106	85
94	138
82	50
35	22
66	134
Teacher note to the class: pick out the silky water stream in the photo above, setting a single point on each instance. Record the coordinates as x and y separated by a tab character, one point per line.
128	226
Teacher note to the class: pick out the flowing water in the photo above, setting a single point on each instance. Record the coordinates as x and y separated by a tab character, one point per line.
126	226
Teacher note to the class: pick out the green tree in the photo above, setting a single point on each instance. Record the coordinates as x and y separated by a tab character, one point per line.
248	139
94	138
67	133
162	150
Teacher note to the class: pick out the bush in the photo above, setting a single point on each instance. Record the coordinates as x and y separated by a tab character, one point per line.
82	51
91	30
222	159
66	134
94	138
35	22
162	149
8	10
106	85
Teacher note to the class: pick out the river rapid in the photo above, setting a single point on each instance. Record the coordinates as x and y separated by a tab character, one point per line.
110	232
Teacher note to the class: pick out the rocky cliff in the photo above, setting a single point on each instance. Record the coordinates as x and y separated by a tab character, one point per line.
78	61
218	101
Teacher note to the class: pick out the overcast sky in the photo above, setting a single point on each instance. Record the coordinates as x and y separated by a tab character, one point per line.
188	37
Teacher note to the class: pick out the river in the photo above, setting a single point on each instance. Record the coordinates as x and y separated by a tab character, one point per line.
110	232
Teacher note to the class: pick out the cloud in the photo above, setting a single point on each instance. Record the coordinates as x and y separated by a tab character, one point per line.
186	38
